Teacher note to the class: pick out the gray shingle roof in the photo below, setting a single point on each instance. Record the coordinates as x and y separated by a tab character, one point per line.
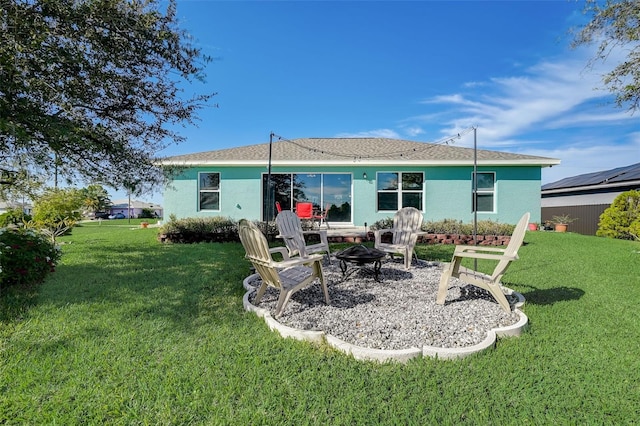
335	151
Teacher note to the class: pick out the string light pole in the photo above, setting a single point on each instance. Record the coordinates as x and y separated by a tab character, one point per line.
267	210
475	186
270	203
475	193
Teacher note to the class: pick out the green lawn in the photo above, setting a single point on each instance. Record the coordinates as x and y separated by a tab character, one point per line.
129	331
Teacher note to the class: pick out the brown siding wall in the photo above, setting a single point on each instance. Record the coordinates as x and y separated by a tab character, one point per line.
588	217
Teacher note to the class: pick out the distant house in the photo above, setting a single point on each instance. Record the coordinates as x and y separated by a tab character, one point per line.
586	196
25	207
361	180
134	209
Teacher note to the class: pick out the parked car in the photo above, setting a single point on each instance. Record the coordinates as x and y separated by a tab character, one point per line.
101	215
117	216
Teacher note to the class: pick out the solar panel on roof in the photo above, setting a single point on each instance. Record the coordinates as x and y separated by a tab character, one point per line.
620	174
631	174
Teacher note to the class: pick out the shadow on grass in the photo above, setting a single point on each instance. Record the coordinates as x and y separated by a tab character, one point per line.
178	283
549	296
15	301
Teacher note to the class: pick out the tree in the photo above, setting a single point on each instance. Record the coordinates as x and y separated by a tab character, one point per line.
24	185
57	211
92	89
616	23
95	198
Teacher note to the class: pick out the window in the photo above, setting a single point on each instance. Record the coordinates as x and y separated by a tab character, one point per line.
399	189
209	189
485	192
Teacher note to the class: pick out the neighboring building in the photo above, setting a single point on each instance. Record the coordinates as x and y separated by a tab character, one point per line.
586	196
363	180
26	207
134	209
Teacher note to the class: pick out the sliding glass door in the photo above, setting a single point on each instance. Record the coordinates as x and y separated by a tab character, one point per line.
320	189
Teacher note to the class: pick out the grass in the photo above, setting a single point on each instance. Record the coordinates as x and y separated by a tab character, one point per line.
129	331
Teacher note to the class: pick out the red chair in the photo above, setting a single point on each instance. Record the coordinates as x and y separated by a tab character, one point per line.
278	207
322	216
304	210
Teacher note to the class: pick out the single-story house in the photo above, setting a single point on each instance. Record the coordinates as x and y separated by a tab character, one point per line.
361	180
25	207
585	197
134	209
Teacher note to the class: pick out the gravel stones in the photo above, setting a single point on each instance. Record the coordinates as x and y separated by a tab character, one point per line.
397	312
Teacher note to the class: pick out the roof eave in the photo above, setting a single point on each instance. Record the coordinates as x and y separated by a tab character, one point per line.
544	162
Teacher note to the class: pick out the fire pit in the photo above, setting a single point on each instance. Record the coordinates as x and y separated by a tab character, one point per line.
360	256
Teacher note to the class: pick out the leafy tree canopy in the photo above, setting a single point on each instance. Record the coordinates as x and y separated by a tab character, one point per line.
95	198
56	205
92	89
614	24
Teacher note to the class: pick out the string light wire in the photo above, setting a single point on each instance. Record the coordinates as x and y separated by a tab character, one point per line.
389	154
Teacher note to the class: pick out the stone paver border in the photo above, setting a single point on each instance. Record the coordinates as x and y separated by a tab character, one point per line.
384	355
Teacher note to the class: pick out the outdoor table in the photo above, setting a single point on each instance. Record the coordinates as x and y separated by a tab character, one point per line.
360	256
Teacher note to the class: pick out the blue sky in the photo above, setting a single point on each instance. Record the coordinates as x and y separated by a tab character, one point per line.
415	70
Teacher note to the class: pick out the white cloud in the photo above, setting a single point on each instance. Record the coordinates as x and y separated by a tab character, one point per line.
378	133
520	104
578	159
552	109
413	131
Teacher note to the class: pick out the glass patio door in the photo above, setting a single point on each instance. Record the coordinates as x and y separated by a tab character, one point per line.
319	189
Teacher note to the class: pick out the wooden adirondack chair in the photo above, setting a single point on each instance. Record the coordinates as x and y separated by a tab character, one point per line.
288	275
504	257
406	223
290	230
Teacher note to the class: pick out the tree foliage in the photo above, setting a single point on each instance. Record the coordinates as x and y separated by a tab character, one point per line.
621	219
24	185
94	89
615	24
57	211
95	198
15	217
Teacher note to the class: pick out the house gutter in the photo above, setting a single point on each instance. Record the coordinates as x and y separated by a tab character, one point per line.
434	163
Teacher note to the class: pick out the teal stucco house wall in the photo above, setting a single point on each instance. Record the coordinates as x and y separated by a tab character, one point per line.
359	181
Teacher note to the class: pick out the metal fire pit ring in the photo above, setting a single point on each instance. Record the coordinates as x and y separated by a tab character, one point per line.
360	256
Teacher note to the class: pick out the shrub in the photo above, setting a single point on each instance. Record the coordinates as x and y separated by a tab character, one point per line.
619	219
57	211
448	226
453	226
26	257
386	223
146	214
634	229
13	217
204	229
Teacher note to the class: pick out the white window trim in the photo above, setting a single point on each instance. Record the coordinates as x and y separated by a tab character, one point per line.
400	191
219	191
493	192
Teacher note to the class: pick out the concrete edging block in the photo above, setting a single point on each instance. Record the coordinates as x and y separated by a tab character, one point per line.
295	333
252	308
369	354
513	330
458	353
